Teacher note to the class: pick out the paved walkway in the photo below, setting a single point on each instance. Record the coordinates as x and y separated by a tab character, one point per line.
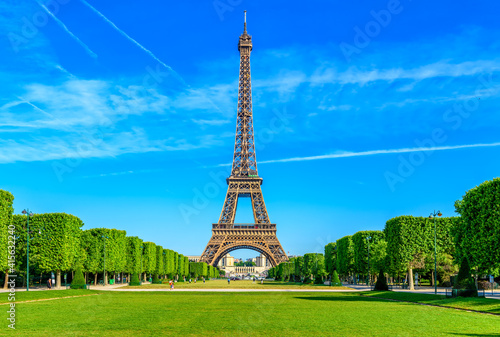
355	287
230	290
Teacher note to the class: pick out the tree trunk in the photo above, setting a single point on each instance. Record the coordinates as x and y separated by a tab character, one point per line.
432	278
58	279
85	278
5	282
410	279
95	278
105	277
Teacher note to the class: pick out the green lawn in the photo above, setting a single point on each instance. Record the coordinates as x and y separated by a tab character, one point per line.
240	314
36	295
242	284
469	303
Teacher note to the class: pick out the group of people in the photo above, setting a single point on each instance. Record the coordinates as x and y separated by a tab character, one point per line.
196	279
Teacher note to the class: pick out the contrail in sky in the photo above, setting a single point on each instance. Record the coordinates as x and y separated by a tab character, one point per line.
150	53
87	49
134	41
375	152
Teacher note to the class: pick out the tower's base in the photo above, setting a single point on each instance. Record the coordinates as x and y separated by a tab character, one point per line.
259	237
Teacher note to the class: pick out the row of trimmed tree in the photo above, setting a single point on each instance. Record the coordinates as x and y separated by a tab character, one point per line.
470	241
58	244
308	269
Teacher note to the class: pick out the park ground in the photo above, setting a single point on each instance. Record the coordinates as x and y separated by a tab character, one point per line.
249	313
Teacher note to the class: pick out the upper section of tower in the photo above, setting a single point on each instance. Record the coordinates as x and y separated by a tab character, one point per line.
245	39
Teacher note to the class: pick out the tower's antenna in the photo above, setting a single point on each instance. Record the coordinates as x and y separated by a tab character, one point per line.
245	25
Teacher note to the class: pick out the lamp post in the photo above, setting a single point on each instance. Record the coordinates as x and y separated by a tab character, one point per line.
433	216
29	214
368	238
104	272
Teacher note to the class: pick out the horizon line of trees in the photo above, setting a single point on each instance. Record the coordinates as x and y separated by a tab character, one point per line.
58	244
469	242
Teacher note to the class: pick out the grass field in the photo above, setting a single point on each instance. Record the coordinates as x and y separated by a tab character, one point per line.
238	314
242	284
469	303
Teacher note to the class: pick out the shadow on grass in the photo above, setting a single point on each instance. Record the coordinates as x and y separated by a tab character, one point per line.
466	303
473	334
353	297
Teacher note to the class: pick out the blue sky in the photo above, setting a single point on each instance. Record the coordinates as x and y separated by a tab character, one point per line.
123	113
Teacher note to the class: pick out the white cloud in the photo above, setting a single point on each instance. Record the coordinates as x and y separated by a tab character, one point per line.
81	103
439	69
210	122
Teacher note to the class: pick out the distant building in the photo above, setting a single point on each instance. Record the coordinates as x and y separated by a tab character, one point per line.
193	258
227	264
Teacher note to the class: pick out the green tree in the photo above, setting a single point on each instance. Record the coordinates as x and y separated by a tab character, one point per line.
176	264
92	247
149	264
160	268
331	257
204	269
335	280
78	281
186	266
411	239
381	283
180	266
299	266
116	248
279	272
54	241
378	257
133	255
319	269
165	263
345	256
477	235
108	248
464	280
360	248
271	272
134	281
309	267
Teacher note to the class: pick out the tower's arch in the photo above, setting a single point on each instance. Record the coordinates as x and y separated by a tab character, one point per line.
256	248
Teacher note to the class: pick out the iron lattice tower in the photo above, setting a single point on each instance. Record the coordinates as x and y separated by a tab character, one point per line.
244	181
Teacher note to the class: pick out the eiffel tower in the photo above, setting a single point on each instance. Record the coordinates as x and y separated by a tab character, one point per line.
244	182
